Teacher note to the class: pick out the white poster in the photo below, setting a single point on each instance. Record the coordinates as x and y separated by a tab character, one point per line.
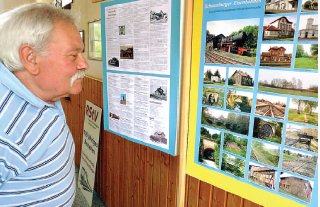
138	36
139	107
141	63
89	153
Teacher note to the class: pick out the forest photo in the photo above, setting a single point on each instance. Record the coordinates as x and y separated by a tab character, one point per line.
235	145
209	148
237	123
233	165
240	101
265	153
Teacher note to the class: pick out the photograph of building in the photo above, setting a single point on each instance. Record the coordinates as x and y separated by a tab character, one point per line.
309	5
308	28
276	56
281	6
279	28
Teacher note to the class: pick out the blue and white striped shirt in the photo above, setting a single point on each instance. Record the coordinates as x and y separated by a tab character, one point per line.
36	149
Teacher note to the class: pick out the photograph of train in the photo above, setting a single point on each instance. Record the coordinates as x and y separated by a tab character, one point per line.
232	42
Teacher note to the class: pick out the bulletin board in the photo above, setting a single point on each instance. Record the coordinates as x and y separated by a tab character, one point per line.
253	126
141	71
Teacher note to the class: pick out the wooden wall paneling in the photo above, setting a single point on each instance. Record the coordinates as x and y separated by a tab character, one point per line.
136	191
104	161
164	179
156	179
129	176
149	175
219	198
116	171
173	180
193	192
247	203
143	176
109	168
122	168
234	200
205	192
126	179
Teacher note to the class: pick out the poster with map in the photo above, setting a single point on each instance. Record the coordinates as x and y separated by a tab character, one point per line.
254	115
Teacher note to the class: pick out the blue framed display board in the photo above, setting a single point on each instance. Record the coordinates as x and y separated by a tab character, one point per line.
141	71
253	128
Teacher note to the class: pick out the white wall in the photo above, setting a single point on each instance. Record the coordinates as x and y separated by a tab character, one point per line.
85	11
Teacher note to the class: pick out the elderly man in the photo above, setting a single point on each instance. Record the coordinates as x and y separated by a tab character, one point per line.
41	61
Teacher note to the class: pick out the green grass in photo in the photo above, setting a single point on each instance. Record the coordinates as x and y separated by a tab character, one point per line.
294	195
302	117
295	92
306	63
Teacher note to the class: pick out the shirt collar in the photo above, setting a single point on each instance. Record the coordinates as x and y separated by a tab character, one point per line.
8	79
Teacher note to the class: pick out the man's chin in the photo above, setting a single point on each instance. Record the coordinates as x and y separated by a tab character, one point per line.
76	88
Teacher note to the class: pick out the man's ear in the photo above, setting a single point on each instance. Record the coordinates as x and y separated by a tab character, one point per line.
28	58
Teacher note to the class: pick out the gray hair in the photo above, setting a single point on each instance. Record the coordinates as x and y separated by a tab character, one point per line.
29	24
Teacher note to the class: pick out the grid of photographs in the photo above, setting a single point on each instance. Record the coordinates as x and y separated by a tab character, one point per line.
259	111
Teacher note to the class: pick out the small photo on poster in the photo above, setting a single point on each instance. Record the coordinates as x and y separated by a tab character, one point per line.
271	106
239	101
265	153
215	75
126	52
307	56
209	148
276	55
158	92
284	6
289	82
279	28
213	97
241	78
262	175
309	6
299	162
234	122
268	130
303	111
235	144
233	165
296	186
308	27
158	15
232	41
302	137
113	62
123	99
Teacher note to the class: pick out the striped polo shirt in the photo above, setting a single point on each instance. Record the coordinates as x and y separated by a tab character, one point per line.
36	149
